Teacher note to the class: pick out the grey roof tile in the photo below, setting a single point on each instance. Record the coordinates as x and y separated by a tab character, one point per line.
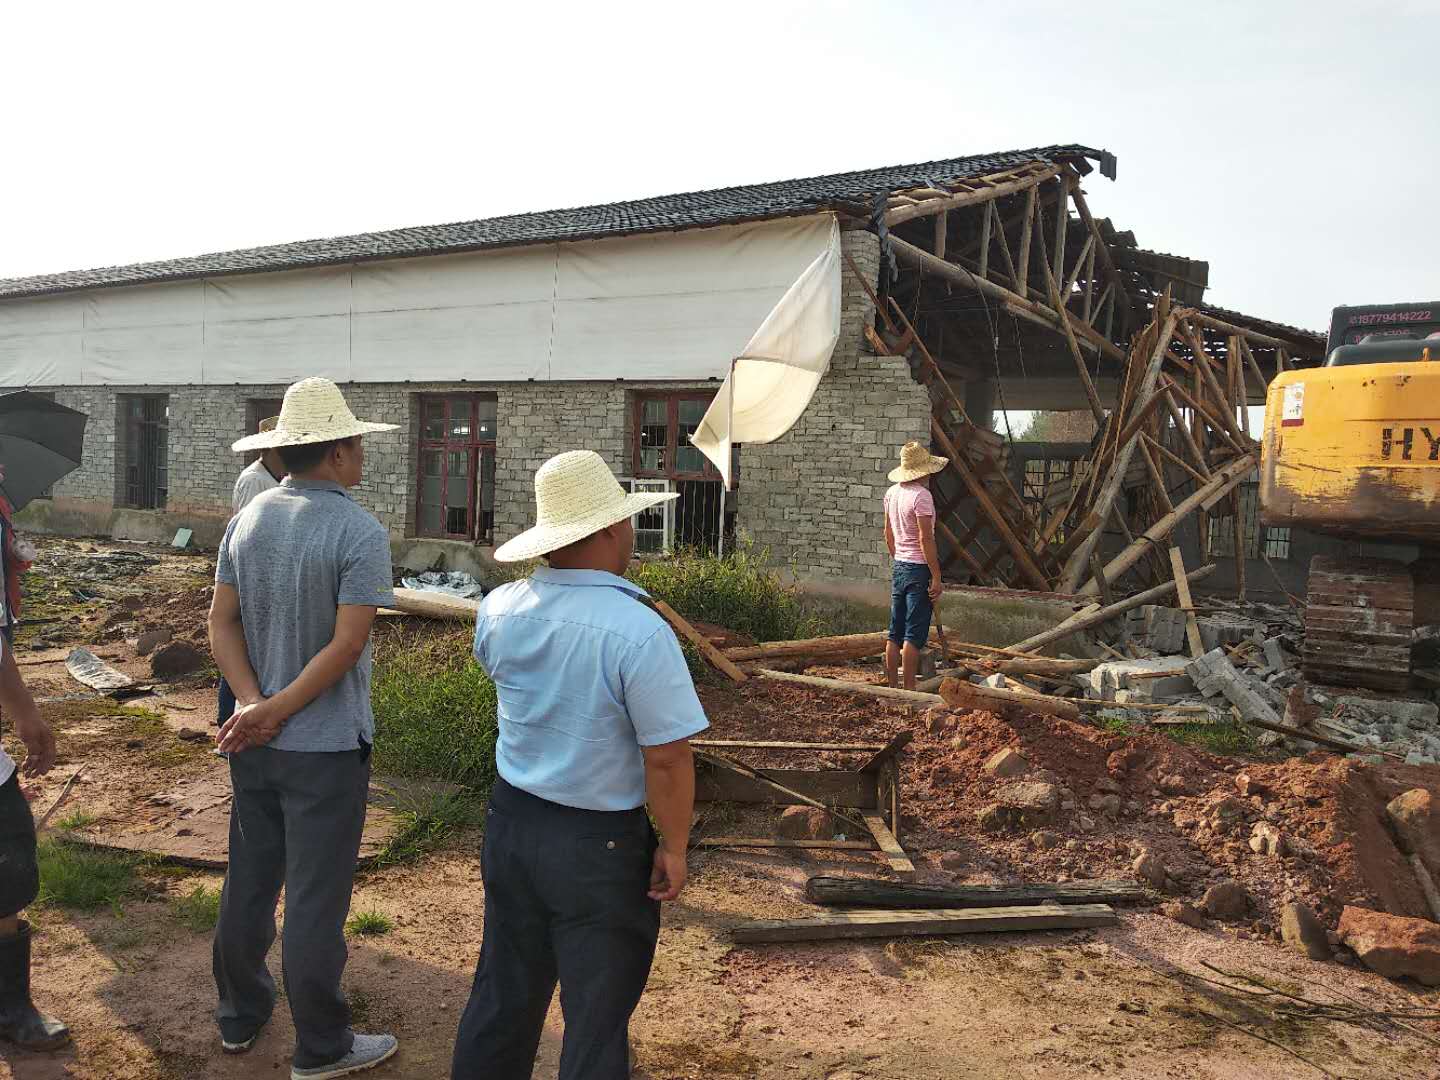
694	209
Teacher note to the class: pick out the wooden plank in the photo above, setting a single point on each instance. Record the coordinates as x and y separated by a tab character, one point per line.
1187	604
878	924
433	605
761	842
1104	614
839	647
868	892
904	697
889	846
1026	182
833	787
716	658
889	750
771	744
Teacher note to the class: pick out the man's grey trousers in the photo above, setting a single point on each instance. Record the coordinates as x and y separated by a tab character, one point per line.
296	822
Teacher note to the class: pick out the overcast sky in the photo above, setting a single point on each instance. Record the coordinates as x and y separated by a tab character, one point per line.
1292	145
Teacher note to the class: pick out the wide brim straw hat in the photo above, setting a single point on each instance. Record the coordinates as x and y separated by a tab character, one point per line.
576	495
314	411
916	461
268	424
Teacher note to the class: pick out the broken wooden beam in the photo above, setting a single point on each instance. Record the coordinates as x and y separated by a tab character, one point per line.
1104	614
866	892
433	605
839	925
959	694
890	847
839	648
714	656
904	697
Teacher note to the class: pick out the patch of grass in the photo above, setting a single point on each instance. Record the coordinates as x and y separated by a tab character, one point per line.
427	827
122	937
80	819
1229	740
741	591
369	924
76	876
199	909
434	709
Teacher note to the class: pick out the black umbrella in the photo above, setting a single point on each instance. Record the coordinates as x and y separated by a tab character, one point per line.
40	441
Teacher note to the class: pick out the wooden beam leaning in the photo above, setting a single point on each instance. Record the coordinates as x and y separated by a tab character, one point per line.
925	208
1230	475
987	216
890	847
1187	605
1058	302
1075	568
1104	614
1022	278
716	658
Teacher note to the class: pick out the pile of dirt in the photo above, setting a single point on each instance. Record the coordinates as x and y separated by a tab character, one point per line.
1318	821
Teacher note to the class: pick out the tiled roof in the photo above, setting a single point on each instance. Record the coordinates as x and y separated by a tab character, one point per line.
1313	342
697	209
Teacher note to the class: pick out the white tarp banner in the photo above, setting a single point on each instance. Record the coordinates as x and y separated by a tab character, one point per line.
673	305
773	378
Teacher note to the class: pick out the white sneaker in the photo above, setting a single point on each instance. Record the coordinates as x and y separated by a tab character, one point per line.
366	1052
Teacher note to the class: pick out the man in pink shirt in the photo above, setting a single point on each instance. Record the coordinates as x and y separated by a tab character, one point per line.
915	581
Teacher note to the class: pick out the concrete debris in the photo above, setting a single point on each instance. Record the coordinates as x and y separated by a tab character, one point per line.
1162	678
1267	840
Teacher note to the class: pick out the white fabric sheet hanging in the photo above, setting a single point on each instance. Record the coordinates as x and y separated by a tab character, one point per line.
772	380
672	305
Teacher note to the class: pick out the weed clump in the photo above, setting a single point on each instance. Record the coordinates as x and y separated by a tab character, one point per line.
76	876
199	909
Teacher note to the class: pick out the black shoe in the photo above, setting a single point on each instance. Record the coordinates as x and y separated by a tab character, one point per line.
20	1022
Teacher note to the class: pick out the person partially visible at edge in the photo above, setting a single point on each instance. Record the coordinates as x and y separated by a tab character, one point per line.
596	709
262	474
300	573
20	1022
915	580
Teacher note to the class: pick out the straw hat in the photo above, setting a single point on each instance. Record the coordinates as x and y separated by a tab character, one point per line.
576	495
314	411
915	462
268	424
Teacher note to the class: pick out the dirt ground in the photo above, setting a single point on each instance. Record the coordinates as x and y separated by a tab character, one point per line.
135	983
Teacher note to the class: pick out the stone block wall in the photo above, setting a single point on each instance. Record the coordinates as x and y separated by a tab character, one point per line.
812	499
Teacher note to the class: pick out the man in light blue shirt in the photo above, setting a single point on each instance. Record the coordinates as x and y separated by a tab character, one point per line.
596	708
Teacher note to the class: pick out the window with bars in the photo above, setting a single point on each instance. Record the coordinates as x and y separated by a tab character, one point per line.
1271	541
664	460
144	430
456	474
1046	486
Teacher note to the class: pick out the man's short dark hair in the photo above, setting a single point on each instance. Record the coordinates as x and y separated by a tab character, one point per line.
306	456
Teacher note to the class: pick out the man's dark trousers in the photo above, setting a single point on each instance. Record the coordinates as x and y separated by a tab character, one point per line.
564	899
296	821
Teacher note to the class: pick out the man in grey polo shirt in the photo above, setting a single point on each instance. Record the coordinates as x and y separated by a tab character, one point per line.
300	574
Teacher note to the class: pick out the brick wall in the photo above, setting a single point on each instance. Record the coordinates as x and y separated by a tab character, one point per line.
812	498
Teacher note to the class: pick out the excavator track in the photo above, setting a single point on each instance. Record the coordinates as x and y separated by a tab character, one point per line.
1359	623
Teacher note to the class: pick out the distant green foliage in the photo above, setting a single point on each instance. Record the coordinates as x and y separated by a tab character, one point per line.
369	924
76	876
434	710
741	592
199	909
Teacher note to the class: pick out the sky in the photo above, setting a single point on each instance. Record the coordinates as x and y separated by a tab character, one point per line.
1292	145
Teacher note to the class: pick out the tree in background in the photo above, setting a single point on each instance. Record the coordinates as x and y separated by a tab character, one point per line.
1075	426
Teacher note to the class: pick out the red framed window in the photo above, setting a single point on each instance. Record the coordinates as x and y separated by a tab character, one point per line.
455	483
663	424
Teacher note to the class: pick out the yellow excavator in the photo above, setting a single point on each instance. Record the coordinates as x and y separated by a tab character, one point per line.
1352	450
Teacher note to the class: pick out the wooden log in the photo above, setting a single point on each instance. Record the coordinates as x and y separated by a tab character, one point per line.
1230	328
1187	605
890	847
433	605
904	697
764	842
927	207
959	694
839	648
1104	614
866	892
716	658
1027	223
1220	483
879	924
1057	301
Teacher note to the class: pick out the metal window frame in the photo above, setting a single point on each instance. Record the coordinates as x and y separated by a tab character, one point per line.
145	492
480	530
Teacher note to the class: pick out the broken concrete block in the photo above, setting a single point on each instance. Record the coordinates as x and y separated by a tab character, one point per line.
1213	672
1266	839
1419	715
1275	655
